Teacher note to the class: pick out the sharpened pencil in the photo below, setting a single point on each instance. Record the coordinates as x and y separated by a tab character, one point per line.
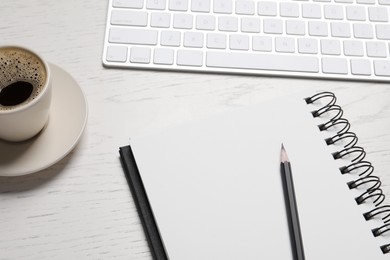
291	206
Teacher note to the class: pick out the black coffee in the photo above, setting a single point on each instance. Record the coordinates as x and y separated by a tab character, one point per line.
22	77
16	93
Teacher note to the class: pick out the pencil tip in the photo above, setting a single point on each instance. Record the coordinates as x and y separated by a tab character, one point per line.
283	154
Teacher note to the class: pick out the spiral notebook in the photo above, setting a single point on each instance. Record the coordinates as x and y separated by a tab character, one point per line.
212	189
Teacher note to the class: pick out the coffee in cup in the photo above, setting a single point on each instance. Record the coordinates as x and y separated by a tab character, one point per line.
25	93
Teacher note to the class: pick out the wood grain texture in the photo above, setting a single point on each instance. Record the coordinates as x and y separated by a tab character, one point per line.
81	208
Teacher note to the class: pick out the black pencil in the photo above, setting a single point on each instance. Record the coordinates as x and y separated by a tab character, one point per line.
291	205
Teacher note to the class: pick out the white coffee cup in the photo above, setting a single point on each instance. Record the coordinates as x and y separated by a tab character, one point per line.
23	115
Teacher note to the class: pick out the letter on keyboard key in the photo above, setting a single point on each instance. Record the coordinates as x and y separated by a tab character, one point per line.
250	24
216	41
289	9
382	68
239	42
178	5
376	49
200	6
356	13
245	7
223	6
262	43
273	26
259	61
155	4
334	66
189	58
267	8
133	36
284	44
307	45
353	48
311	11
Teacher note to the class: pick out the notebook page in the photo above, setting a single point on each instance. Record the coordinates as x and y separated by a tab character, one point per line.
216	193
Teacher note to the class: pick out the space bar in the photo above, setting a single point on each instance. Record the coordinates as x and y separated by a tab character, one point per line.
259	61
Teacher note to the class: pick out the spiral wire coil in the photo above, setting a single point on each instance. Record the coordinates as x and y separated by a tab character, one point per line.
358	165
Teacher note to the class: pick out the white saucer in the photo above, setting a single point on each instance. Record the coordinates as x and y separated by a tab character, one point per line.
66	123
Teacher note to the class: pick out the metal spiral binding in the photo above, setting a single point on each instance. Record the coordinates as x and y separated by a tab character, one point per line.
358	165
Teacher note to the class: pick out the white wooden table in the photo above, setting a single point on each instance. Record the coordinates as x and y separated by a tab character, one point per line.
81	208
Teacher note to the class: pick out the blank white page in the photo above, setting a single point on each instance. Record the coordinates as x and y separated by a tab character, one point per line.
216	193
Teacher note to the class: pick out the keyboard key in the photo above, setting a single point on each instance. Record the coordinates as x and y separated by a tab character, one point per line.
160	20
383	31
353	48
193	39
340	29
360	67
318	28
284	44
182	21
266	8
382	68
138	4
289	9
363	31
334	12
133	36
260	61
228	24
307	45
250	24
273	26
155	4
132	18
116	53
376	49
356	13
223	6
311	11
295	27
245	7
262	43
334	66
378	14
178	5
189	58
216	41
205	22
200	6
163	56
140	55
170	38
384	2
239	42
330	47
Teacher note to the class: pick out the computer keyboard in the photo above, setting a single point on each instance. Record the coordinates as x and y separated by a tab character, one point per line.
341	39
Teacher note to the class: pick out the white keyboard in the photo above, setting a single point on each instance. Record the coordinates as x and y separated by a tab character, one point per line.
341	39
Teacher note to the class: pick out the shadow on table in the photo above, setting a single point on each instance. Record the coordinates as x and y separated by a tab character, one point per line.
34	180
